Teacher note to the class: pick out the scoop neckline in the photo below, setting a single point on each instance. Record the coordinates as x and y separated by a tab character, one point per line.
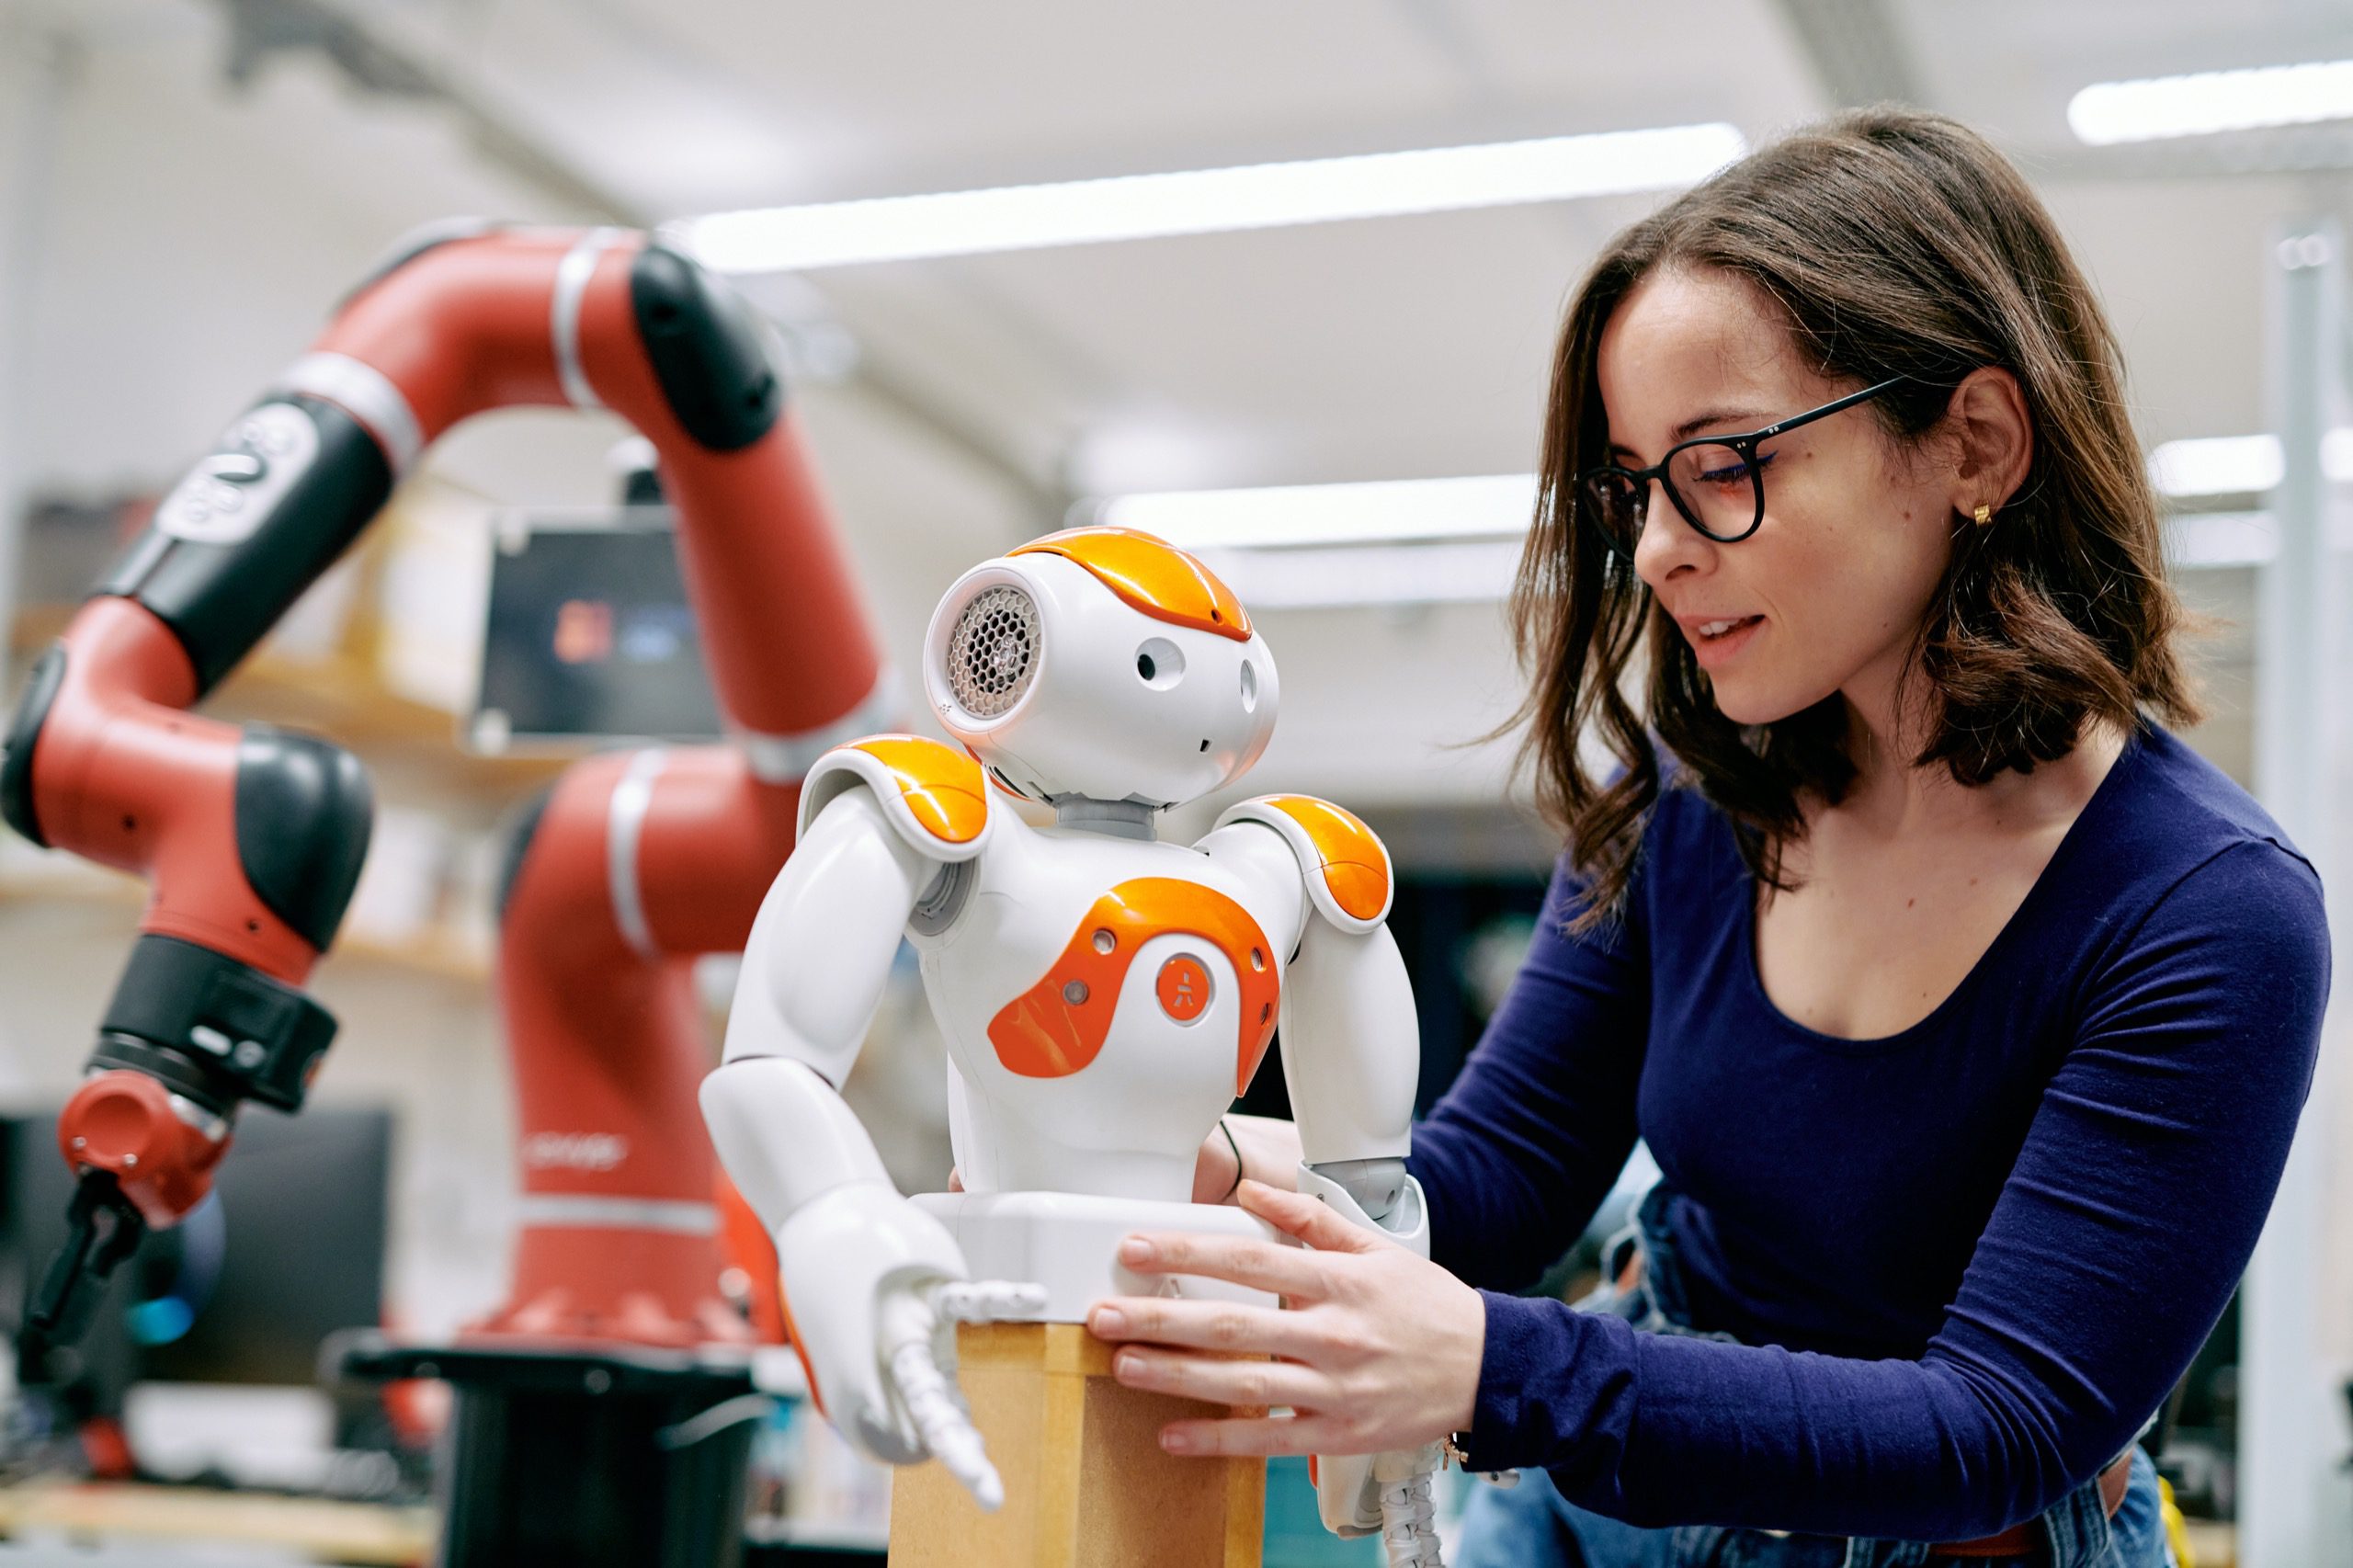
2135	744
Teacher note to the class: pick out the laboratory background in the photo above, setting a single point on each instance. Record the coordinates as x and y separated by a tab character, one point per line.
1278	283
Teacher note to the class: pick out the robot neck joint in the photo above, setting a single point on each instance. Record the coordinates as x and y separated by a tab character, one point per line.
1120	819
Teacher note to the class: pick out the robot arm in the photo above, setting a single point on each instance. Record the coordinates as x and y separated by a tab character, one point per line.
251	839
1351	1048
1352	1059
873	1286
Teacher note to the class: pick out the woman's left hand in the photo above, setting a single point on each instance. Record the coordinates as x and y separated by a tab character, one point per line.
1379	1349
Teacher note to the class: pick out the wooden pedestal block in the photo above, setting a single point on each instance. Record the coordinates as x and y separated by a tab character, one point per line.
1087	1485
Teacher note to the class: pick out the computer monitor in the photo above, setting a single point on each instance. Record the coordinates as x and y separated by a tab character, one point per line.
290	1249
590	635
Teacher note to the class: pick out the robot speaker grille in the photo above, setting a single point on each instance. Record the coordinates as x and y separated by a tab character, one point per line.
993	651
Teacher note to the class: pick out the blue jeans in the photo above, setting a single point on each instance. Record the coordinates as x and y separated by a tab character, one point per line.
1532	1525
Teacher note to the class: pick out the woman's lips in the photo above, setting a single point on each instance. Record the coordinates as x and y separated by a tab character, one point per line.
1712	650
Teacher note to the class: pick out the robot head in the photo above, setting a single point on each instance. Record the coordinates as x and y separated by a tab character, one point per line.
1101	662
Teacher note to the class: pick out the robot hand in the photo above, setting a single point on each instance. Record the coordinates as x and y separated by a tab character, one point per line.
919	1348
876	1288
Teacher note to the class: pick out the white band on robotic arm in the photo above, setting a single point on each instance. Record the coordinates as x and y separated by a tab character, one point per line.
571	276
624	828
368	395
783	760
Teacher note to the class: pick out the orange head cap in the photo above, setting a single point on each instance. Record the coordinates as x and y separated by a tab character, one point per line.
1102	662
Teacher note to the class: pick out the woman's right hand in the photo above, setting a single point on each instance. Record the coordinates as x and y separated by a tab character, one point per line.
1269	1151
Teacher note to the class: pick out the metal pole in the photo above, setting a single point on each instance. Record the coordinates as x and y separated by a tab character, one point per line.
2295	1502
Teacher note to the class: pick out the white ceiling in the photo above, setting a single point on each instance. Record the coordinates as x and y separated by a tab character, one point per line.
192	234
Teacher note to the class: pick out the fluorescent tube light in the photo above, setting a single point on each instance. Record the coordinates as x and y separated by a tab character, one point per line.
2240	465
1488	505
2210	101
1134	207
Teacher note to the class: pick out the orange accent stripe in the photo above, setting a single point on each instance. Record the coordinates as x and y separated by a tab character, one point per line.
1054	1029
1151	576
792	1333
1356	867
943	789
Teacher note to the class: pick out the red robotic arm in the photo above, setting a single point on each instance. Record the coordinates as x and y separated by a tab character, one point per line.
251	839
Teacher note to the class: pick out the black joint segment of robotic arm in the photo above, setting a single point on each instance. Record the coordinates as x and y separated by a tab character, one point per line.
303	813
254	524
414	244
515	842
16	760
706	350
210	1028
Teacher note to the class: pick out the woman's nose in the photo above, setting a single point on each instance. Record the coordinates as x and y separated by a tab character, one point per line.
1667	544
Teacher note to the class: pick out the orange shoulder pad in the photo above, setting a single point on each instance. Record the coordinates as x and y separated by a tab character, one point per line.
932	792
1347	867
1151	574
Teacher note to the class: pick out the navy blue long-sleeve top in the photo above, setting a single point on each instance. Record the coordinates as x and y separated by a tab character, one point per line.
1965	1262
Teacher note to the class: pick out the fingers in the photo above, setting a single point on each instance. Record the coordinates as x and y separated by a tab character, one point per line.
955	1179
1253	1434
987	1301
941	1422
1263	1266
1210	1326
1217	1381
1307	1218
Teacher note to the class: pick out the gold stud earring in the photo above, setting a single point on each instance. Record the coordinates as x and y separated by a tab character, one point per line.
1984	514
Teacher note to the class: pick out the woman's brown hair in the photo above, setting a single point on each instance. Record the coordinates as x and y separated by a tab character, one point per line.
1894	243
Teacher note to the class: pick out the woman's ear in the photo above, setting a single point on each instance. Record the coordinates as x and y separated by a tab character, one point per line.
1994	439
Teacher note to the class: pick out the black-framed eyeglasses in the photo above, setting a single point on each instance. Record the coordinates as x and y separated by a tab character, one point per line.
1716	481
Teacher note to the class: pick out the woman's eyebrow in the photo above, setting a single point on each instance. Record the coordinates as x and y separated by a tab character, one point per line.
1691	428
1714	416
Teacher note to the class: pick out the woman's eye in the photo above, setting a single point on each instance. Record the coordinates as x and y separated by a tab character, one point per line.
1736	471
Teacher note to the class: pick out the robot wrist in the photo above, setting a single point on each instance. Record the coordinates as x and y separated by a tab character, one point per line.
1405	1220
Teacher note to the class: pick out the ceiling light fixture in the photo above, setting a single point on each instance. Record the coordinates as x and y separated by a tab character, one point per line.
2210	101
1487	506
1135	206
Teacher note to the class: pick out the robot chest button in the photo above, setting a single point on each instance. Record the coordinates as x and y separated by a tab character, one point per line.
1183	988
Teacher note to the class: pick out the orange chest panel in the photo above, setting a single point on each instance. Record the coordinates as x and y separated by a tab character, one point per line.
1059	1025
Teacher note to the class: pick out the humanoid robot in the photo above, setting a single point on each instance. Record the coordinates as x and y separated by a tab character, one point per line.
1104	994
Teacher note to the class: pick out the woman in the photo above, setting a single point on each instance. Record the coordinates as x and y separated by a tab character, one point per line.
1967	1012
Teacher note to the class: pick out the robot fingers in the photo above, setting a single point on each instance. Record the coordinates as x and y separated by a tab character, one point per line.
987	1301
922	1377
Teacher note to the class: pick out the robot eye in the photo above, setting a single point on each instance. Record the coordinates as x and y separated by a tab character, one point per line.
1160	663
